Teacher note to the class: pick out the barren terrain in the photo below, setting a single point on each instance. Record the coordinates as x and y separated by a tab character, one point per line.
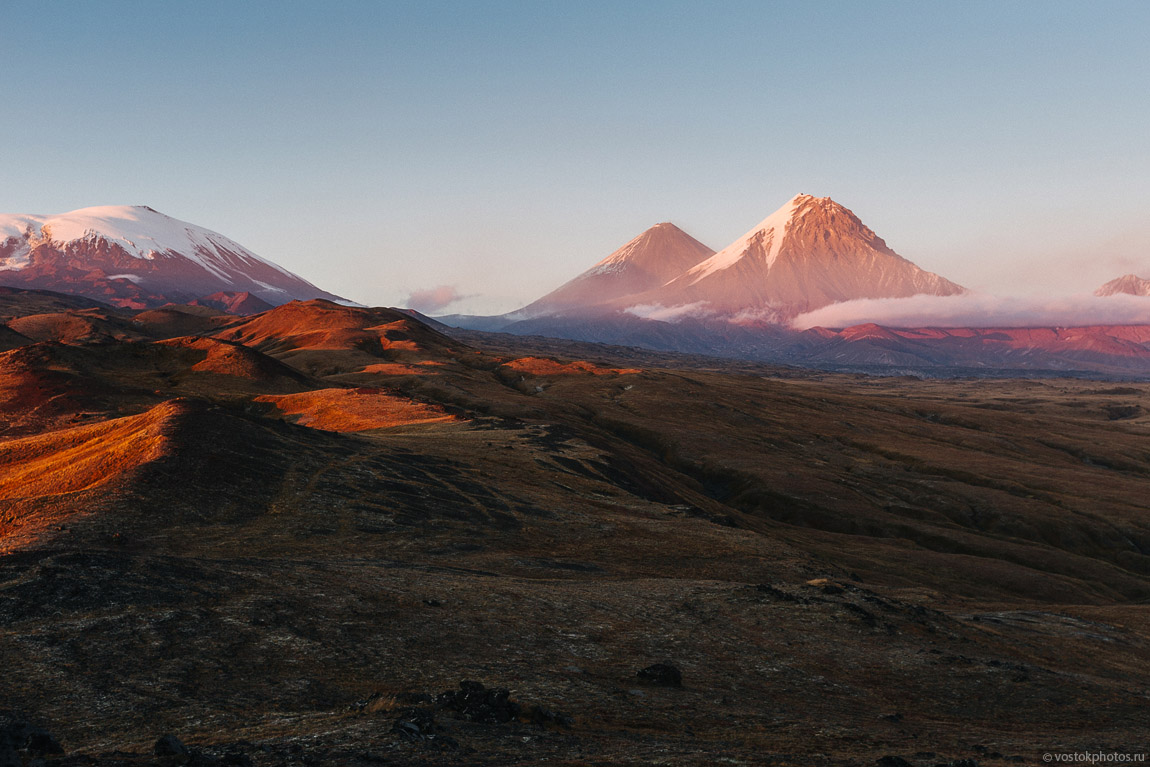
289	538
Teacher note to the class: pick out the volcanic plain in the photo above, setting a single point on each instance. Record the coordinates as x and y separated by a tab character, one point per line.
287	539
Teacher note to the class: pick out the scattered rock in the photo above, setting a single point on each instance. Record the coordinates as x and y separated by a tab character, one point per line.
662	674
544	717
236	759
475	703
414	724
170	745
892	761
19	738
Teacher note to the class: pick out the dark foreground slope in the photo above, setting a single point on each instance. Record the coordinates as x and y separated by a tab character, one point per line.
840	568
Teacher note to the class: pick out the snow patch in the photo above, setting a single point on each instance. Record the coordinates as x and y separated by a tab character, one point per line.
771	231
140	231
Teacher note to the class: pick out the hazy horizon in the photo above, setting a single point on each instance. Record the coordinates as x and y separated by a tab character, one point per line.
388	150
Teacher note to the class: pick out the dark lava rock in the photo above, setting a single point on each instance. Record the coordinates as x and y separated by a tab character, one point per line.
170	745
663	674
236	759
18	737
541	716
478	704
414	723
892	761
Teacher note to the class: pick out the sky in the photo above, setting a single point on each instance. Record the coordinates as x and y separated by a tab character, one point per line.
473	156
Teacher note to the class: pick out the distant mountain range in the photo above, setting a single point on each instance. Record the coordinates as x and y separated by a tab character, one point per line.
809	253
665	290
135	257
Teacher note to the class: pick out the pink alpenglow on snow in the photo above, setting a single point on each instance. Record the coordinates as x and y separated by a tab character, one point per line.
809	253
659	254
134	256
1128	283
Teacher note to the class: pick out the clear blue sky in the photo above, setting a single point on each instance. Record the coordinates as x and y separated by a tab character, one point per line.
378	148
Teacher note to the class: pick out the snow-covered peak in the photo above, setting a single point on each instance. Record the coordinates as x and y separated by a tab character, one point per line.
636	248
1131	284
135	256
766	239
139	230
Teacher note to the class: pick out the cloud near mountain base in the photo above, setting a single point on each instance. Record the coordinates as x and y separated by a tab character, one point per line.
981	310
433	299
669	313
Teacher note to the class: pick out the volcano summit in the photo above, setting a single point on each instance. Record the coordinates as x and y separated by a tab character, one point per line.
809	253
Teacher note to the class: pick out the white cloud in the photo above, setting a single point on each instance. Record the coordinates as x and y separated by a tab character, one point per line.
433	299
981	310
668	313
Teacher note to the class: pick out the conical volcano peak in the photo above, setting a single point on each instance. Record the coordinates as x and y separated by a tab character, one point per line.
815	218
1130	284
659	254
809	253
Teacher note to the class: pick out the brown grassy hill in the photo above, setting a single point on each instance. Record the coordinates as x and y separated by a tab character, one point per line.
230	359
173	321
10	339
76	327
322	338
17	302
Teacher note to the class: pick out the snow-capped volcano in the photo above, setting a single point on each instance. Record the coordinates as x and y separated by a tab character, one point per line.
134	256
809	253
1127	283
659	254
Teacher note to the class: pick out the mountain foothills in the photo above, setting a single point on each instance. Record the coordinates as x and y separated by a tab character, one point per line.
136	257
333	535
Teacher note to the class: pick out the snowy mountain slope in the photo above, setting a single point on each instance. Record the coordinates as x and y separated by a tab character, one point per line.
1127	283
809	253
134	256
659	254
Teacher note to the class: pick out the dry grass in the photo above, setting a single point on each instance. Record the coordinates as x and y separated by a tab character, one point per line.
362	409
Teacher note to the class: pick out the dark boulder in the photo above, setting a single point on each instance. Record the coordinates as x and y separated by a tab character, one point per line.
662	674
19	738
892	761
170	746
475	703
414	723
